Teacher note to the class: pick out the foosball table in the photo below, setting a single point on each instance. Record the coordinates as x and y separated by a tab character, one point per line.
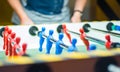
86	46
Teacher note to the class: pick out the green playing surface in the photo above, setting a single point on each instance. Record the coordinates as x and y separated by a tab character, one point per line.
34	52
35	56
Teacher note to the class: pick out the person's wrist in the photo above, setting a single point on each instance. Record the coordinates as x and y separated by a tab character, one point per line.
78	12
23	17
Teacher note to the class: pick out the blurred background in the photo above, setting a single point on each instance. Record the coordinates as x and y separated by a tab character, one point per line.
95	10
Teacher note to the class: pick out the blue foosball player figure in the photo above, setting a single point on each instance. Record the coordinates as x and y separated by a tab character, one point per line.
49	42
41	41
59	49
73	46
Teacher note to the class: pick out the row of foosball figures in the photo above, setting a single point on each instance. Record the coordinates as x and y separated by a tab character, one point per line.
11	43
12	47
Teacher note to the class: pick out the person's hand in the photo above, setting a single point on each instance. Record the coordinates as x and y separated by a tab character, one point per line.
76	18
26	21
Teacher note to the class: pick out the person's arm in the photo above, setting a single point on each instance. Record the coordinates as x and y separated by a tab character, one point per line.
78	9
17	7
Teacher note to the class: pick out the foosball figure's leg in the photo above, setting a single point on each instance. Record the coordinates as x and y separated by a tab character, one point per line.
82	37
49	42
59	49
41	41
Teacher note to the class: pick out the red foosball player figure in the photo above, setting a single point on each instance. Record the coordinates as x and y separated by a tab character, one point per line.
108	43
5	35
24	47
17	50
65	31
82	37
11	42
16	47
7	41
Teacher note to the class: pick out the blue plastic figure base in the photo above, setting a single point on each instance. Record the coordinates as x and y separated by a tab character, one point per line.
92	47
73	47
